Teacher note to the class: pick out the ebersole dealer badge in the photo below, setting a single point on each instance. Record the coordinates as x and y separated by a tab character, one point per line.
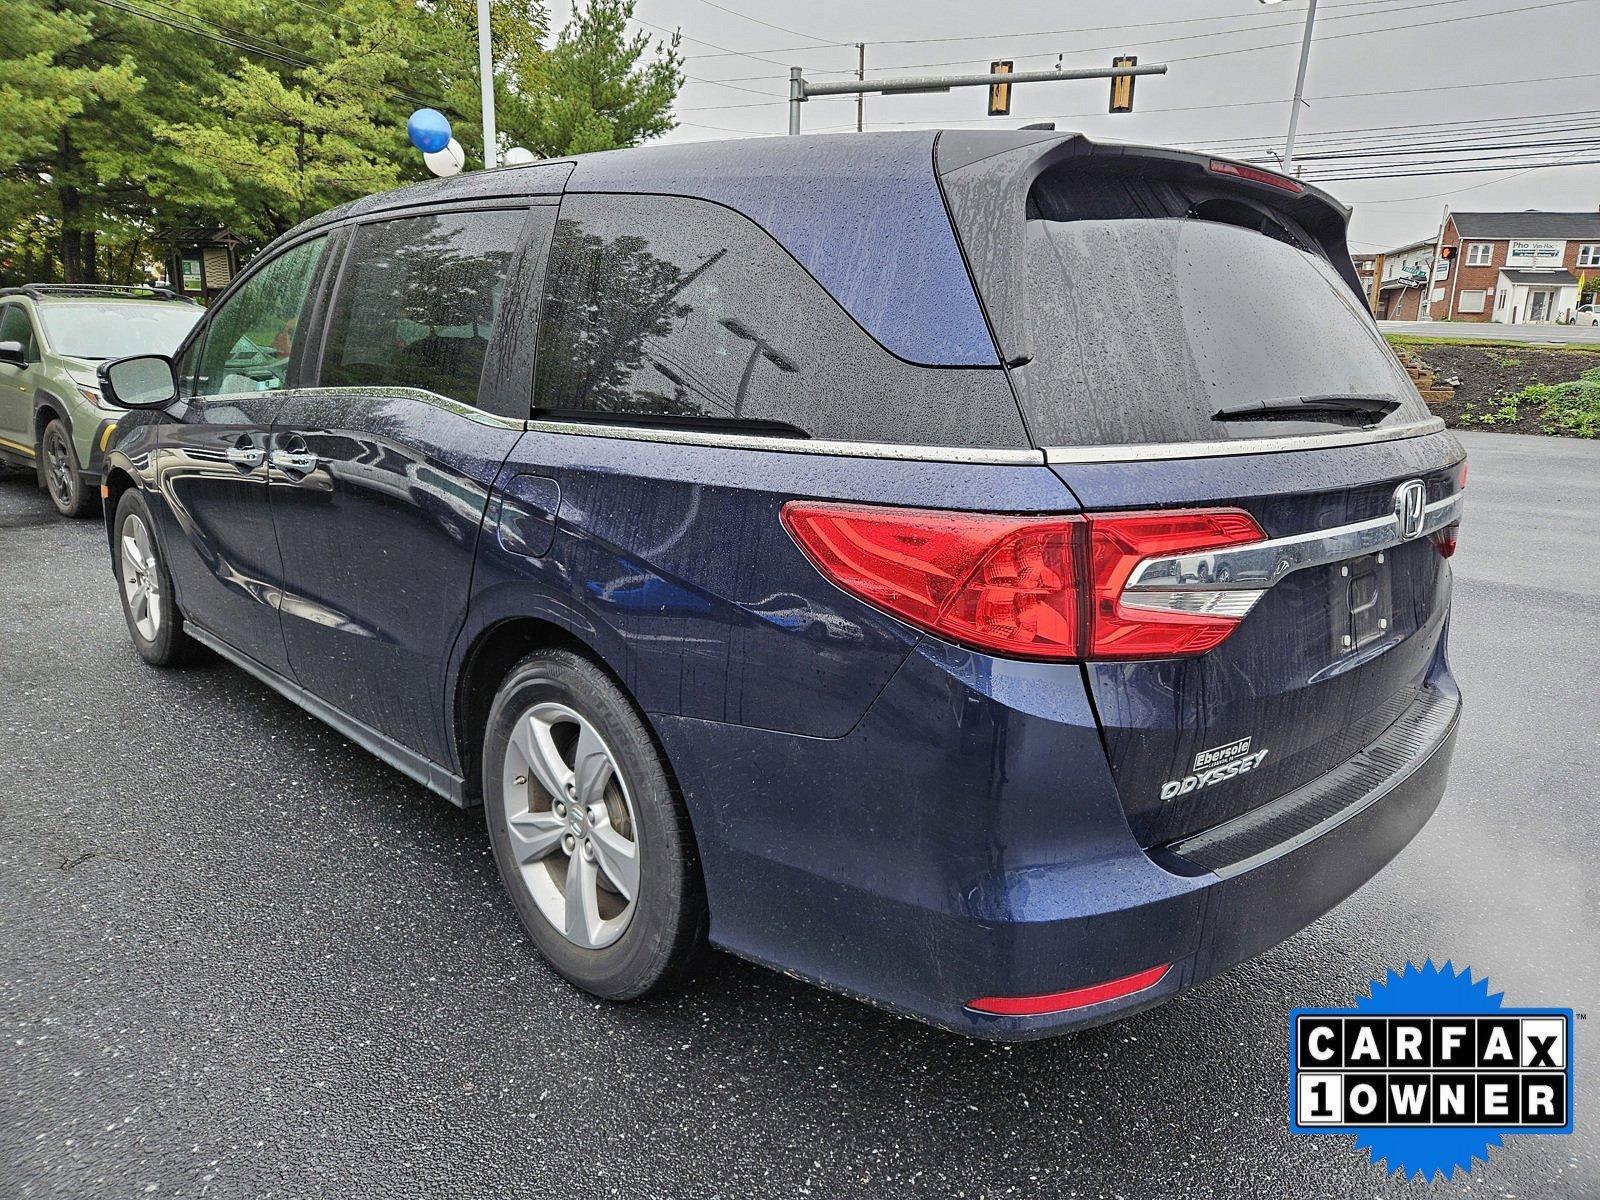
1430	1070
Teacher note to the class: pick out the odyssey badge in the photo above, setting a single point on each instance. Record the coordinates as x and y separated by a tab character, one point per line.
1216	765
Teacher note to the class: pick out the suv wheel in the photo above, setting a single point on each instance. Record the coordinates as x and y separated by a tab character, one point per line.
154	622
589	835
62	477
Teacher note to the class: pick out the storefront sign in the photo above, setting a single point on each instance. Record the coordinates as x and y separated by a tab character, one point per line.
1535	253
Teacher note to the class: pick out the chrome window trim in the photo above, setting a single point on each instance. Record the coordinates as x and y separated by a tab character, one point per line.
1256	566
781	445
1153	451
1240	446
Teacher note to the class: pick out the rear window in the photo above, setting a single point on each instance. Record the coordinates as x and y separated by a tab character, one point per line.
1149	329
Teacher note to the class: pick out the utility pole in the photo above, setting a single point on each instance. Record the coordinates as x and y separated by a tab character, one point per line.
861	97
491	153
1376	297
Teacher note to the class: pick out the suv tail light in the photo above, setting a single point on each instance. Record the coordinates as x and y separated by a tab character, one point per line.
1022	587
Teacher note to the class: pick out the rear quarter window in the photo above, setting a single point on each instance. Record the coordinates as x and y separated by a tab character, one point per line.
673	310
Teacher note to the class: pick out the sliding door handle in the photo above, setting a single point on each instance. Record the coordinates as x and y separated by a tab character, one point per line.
246	456
300	462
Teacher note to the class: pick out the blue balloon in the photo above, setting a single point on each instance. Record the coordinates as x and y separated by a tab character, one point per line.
428	130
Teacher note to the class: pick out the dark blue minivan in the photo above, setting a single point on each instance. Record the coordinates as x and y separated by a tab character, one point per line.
995	574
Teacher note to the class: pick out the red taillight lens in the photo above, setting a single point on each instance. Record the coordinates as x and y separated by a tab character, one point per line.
1000	583
1055	1002
1118	543
1221	166
1023	587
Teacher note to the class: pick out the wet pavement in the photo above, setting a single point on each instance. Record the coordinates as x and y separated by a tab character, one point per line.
240	957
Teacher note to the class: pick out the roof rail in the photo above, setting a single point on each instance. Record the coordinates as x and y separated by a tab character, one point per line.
38	291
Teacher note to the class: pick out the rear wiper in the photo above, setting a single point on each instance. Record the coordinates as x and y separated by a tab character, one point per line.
1380	406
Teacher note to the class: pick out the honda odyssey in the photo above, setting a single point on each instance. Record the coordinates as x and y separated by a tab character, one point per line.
995	574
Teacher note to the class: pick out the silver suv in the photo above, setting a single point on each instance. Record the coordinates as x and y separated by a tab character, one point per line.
52	419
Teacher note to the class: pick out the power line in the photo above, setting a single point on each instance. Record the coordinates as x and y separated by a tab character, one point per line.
1411	174
1451	87
198	30
703	42
1339	37
1250	26
1385	9
768	24
1455	191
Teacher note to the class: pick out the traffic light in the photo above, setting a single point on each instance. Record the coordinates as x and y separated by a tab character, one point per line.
1447	252
1000	93
1122	85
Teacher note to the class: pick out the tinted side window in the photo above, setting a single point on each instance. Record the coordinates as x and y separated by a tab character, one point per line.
418	301
669	308
16	327
251	337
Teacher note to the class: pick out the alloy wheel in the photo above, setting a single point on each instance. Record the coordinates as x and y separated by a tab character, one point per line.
141	582
58	467
574	829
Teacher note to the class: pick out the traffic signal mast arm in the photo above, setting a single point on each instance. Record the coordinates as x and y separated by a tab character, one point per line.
800	91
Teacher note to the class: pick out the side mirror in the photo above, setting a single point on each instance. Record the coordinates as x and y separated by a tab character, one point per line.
13	353
141	381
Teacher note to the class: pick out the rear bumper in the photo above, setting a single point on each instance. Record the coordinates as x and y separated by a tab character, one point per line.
965	839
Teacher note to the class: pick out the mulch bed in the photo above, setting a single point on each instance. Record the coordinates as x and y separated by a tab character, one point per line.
1484	374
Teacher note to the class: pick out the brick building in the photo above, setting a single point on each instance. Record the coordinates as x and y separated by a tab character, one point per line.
1512	267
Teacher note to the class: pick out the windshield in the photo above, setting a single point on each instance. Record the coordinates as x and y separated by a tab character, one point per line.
106	329
1144	330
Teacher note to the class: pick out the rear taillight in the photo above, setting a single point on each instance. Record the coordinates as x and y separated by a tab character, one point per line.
1023	587
1221	166
1000	583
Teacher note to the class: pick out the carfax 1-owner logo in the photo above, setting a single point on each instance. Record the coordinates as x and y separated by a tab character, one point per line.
1430	1070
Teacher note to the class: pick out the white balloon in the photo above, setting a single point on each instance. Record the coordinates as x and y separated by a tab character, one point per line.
448	161
519	156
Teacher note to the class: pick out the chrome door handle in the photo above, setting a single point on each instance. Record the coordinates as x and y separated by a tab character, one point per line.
301	462
248	457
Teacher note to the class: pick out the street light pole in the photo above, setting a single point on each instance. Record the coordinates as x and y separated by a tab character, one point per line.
1299	82
491	153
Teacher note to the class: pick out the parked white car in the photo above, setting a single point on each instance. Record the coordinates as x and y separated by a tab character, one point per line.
1587	314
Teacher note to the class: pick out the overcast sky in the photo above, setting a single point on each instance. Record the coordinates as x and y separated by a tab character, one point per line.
1419	48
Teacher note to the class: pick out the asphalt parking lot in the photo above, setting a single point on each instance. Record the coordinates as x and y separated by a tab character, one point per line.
240	957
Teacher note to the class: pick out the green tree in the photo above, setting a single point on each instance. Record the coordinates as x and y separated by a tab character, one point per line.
72	86
129	118
599	91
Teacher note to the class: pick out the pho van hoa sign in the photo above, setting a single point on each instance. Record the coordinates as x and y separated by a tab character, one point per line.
1525	253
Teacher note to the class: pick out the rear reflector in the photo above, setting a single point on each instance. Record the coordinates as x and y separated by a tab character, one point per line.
1446	539
1083	997
1220	166
1024	587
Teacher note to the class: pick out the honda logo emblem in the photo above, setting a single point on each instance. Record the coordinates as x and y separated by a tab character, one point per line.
1410	508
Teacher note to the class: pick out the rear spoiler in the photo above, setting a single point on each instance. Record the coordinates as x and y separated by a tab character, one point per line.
988	175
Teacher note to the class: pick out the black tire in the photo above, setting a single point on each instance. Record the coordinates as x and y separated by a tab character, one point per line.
665	935
60	472
169	646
